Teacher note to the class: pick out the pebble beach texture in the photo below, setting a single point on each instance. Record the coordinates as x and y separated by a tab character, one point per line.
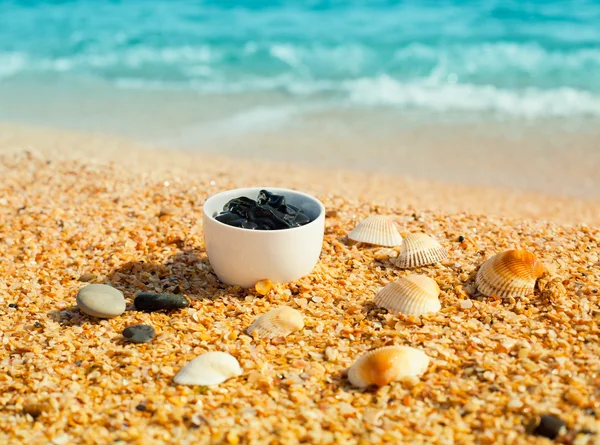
68	378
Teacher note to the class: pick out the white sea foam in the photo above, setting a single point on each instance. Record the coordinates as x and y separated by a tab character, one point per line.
493	57
12	63
529	103
425	94
258	119
254	119
459	78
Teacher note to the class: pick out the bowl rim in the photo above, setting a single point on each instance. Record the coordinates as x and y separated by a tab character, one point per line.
264	232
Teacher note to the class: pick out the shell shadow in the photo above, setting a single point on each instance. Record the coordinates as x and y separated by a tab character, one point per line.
373	313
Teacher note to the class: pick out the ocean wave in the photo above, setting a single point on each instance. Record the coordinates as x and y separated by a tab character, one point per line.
499	63
524	80
505	61
12	63
424	94
428	95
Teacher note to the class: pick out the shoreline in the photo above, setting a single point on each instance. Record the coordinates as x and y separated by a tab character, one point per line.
549	155
402	192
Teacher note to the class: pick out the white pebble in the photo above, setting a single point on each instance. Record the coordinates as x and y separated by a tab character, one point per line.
100	300
466	304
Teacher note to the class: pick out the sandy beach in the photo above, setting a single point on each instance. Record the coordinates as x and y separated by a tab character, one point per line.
116	212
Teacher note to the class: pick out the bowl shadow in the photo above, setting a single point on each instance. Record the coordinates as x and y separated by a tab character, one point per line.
187	272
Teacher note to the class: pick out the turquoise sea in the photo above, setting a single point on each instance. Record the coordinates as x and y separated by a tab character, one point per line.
531	59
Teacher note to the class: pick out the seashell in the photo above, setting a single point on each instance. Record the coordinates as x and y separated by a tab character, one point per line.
209	369
384	365
419	250
377	229
278	322
410	295
509	274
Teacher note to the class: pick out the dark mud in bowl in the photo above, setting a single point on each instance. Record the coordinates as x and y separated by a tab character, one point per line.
242	256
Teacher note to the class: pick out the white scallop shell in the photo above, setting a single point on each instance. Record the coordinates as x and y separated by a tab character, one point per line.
384	365
377	229
419	250
209	369
278	322
410	295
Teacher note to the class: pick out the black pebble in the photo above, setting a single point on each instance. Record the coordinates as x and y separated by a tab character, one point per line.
139	333
145	301
13	305
549	426
461	239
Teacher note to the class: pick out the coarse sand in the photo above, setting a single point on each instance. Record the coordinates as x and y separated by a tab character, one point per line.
77	208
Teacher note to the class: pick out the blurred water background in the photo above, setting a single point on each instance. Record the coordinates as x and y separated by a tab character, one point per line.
195	72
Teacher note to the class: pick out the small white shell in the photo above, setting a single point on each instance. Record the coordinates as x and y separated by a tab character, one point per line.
384	365
419	250
410	295
209	369
377	229
278	322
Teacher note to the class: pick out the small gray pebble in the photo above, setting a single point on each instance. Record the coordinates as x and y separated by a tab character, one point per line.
100	300
146	301
139	333
86	277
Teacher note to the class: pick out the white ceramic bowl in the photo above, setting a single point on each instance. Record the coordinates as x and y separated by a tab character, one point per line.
242	256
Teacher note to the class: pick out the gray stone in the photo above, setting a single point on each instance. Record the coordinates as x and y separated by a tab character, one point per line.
146	301
87	277
101	301
139	333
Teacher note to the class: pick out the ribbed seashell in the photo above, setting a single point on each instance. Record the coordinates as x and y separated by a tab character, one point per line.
419	250
384	365
410	295
509	274
278	322
209	369
377	229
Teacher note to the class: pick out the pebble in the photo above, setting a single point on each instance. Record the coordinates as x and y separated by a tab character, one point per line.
466	304
139	333
146	301
86	277
549	426
35	410
515	403
101	301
